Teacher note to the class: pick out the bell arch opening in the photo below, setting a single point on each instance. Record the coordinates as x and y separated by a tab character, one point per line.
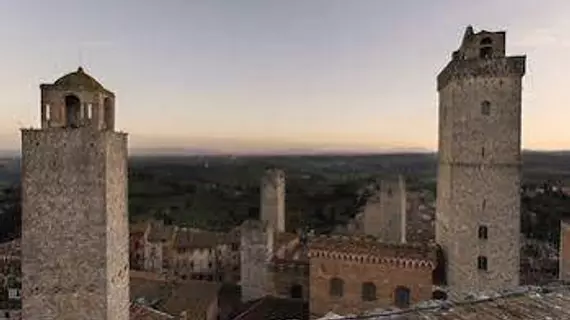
72	111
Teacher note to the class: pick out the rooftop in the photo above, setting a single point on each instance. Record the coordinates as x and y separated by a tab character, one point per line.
79	80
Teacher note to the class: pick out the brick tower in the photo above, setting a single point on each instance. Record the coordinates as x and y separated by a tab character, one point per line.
74	206
479	174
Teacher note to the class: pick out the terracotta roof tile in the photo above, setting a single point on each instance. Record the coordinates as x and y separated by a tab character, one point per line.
173	297
369	245
271	308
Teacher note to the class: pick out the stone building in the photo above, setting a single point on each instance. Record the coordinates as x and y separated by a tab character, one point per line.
272	202
479	173
354	274
385	211
158	241
75	236
199	254
256	253
137	245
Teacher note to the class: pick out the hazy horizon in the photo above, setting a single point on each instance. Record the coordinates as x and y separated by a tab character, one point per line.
269	75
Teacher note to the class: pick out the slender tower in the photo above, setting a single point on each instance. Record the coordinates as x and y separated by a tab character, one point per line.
273	199
479	174
74	206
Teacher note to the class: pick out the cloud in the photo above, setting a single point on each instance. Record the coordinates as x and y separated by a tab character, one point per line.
543	37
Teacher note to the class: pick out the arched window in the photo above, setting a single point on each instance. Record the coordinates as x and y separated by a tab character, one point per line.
368	291
72	111
486	50
482	232
485	108
296	291
336	287
482	263
402	297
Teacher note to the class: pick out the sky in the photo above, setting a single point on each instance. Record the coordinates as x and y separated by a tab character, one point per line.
347	74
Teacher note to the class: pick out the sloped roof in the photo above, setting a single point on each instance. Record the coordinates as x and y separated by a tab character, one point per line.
272	308
527	304
79	80
173	297
369	245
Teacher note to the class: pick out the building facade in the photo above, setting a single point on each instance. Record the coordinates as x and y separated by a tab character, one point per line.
75	236
479	171
350	275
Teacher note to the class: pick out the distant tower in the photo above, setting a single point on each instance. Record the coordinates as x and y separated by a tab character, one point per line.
564	257
257	242
75	258
273	199
479	174
385	211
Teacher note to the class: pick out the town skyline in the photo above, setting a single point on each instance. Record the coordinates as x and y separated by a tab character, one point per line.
337	78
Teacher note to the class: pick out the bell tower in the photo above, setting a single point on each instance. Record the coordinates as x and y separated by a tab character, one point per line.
74	206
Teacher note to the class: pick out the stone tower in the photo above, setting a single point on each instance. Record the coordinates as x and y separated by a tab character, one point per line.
273	199
385	211
479	173
564	257
75	259
256	253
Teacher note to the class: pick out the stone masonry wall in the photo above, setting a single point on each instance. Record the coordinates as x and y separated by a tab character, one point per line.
256	251
66	245
273	199
117	226
385	212
479	172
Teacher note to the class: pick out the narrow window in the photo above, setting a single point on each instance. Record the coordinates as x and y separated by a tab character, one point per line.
484	204
368	291
389	192
482	263
482	233
486	41
485	108
483	152
89	111
336	287
296	291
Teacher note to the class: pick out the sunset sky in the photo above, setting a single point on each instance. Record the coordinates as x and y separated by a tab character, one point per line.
358	74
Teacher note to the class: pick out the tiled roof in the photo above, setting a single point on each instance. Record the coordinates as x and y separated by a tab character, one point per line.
197	239
528	304
371	246
271	308
173	297
140	312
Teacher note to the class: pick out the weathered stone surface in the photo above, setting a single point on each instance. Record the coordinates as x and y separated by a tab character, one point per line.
385	211
479	172
273	199
75	245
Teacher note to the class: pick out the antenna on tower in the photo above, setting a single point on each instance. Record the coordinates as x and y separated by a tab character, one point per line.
80	54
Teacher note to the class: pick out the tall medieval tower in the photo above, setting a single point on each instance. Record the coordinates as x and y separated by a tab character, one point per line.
74	206
273	199
479	174
385	211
